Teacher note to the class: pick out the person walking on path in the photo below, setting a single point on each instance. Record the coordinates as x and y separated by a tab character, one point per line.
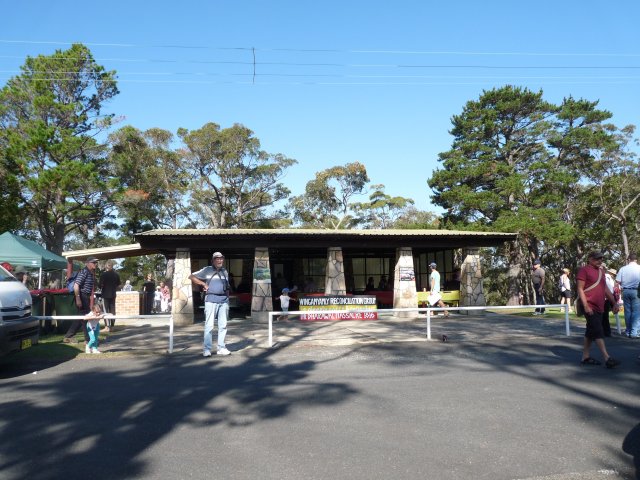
434	282
592	290
565	288
109	285
537	278
215	282
629	277
82	291
612	285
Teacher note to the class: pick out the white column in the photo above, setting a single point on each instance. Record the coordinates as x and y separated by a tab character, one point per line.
261	300
471	288
182	293
334	283
404	285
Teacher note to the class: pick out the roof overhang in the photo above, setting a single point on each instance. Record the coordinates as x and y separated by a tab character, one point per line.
206	240
106	253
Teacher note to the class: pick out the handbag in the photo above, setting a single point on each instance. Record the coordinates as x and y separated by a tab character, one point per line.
434	298
578	303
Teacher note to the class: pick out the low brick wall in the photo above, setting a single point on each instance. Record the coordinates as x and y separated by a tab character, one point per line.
128	303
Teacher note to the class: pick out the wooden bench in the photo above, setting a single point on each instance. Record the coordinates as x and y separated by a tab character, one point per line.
449	297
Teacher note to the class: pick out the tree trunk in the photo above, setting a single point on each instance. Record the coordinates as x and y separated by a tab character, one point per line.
625	241
516	260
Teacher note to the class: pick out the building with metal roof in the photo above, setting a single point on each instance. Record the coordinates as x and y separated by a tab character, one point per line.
330	262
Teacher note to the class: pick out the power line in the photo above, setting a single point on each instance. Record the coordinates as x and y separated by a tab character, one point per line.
325	50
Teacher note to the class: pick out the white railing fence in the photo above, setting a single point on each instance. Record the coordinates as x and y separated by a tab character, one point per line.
428	311
419	310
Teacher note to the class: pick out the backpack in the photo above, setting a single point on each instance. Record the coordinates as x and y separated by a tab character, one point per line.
70	281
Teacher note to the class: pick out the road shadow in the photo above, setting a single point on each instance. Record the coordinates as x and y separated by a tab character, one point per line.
99	416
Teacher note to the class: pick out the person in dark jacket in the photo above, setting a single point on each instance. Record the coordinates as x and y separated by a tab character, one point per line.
109	285
148	293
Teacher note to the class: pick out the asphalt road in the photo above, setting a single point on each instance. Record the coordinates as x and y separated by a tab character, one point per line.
488	409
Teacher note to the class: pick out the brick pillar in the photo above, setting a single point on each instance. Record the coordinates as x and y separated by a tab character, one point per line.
471	289
128	303
182	292
261	300
404	284
334	283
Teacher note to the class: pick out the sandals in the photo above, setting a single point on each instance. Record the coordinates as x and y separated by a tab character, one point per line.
590	361
612	362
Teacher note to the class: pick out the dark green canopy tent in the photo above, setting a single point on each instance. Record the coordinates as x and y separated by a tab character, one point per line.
25	253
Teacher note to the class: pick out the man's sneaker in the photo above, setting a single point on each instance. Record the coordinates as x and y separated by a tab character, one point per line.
206	353
95	350
69	340
88	349
612	362
223	351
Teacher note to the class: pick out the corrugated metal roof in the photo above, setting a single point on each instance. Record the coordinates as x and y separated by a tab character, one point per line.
163	241
316	232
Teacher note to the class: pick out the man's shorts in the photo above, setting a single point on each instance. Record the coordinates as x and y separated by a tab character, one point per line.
594	326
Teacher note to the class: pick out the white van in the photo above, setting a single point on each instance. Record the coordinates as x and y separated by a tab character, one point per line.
18	329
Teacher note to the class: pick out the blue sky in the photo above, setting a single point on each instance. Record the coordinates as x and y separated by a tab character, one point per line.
338	81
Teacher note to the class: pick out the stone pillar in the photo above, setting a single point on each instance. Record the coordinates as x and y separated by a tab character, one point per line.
261	300
471	289
182	292
334	283
404	285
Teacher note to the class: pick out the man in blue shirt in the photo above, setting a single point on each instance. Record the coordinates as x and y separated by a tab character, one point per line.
215	281
82	292
629	277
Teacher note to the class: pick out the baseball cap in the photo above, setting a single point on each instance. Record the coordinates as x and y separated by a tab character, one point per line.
433	264
91	260
217	255
596	254
285	290
537	261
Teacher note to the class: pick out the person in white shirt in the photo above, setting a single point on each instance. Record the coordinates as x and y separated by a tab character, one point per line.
434	283
565	288
629	277
93	328
610	279
284	303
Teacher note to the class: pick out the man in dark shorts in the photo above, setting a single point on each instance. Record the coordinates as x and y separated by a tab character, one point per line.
592	291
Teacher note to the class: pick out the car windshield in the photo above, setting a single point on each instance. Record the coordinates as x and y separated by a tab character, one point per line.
6	276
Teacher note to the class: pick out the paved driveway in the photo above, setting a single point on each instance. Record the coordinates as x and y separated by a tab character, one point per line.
488	404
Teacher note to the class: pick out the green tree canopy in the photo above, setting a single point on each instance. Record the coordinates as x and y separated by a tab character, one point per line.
517	164
382	210
326	202
49	117
153	182
235	182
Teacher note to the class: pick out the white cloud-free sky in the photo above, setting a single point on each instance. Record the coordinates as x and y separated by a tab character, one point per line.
333	82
